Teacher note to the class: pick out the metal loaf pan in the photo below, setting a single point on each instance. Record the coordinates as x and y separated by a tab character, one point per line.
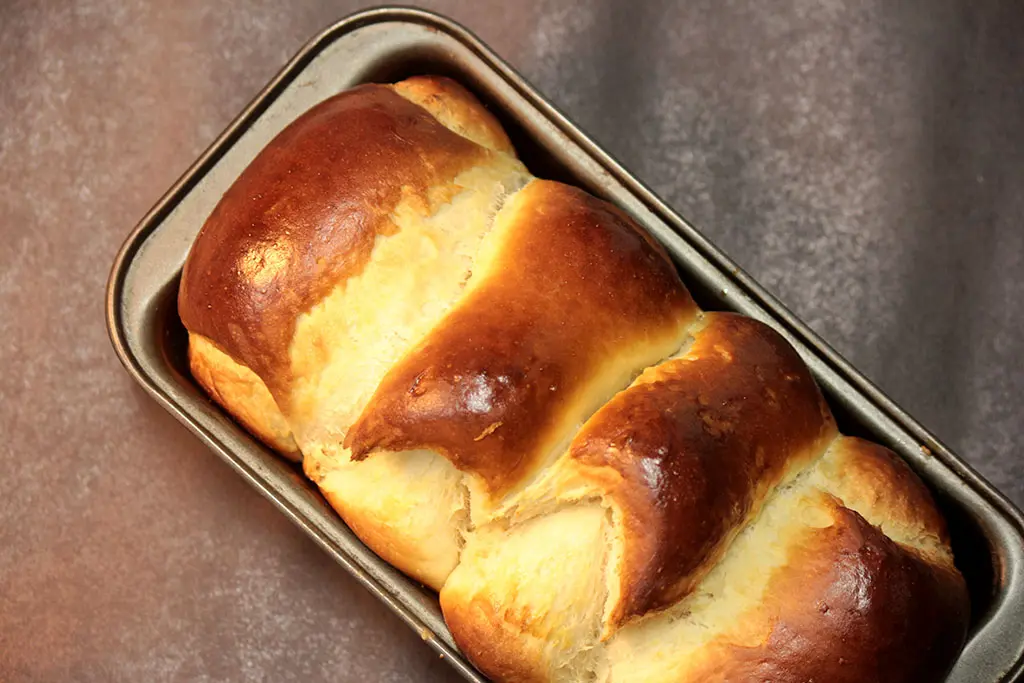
390	44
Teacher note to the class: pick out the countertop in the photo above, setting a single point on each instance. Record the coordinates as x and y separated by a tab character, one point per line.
863	159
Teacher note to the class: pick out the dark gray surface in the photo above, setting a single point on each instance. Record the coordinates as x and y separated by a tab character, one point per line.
860	162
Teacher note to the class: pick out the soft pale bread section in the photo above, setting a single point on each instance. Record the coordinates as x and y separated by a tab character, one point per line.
410	507
522	630
240	391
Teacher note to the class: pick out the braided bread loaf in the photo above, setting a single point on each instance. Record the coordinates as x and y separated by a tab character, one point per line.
504	389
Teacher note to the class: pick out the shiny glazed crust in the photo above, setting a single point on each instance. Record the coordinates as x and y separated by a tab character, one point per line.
497	381
504	389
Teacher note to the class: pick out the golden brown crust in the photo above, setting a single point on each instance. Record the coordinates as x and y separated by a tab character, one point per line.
457	109
483	630
495	645
850	606
875	482
304	216
490	383
692	449
239	391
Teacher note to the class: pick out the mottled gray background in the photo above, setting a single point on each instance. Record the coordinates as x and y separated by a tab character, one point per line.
863	159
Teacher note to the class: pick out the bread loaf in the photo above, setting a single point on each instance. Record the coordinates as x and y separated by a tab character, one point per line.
504	389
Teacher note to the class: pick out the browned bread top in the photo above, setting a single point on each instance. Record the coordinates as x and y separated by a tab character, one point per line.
304	216
573	286
690	451
853	606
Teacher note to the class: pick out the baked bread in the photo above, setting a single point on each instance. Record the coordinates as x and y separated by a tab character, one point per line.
504	389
